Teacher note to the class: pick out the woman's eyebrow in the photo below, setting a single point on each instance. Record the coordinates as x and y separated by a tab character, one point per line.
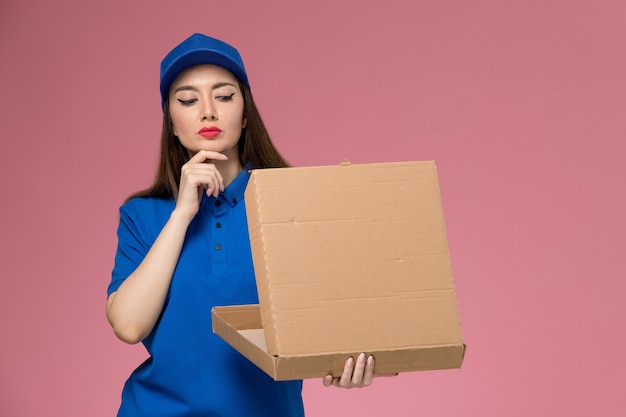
185	88
222	84
192	88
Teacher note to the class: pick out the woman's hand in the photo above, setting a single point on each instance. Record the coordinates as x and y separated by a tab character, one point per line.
198	174
356	374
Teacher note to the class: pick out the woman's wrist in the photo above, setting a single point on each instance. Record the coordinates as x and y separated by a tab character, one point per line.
181	217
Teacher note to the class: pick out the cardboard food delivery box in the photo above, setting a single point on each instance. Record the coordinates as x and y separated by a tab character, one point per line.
348	259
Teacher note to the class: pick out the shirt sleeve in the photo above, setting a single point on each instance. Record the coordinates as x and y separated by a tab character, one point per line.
131	249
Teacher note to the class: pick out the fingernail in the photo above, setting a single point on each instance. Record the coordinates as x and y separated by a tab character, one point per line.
361	358
370	360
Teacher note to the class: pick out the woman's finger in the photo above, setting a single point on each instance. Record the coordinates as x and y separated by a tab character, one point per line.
204	155
346	376
359	370
368	376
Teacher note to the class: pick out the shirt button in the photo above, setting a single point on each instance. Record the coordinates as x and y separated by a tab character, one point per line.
218	247
218	225
234	201
218	203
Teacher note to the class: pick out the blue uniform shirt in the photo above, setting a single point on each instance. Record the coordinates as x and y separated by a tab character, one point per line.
191	371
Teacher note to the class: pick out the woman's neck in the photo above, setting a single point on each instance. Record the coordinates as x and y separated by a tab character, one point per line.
229	168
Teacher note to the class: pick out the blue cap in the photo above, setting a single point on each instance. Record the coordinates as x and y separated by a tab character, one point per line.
196	50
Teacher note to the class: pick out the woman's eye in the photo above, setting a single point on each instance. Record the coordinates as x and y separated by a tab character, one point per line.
187	102
225	98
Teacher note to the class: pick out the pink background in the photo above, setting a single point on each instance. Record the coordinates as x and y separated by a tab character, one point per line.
521	103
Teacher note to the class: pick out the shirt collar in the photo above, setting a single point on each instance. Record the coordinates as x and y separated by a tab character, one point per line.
234	192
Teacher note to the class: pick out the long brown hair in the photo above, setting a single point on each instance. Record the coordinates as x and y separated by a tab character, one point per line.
255	147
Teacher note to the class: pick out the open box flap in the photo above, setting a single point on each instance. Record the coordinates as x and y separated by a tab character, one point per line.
351	257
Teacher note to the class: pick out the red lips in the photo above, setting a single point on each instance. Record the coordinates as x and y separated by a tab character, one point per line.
210	132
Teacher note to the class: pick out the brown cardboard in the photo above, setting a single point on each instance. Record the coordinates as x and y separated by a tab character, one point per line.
348	259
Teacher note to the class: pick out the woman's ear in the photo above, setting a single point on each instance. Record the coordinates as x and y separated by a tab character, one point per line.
245	123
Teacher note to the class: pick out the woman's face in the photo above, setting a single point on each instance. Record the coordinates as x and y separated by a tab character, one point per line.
206	107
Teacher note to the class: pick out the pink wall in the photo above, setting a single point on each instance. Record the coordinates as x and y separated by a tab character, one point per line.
521	103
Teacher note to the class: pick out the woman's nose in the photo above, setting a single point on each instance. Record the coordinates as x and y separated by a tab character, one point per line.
209	112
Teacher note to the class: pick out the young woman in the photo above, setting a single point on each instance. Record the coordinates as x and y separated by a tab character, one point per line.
183	247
